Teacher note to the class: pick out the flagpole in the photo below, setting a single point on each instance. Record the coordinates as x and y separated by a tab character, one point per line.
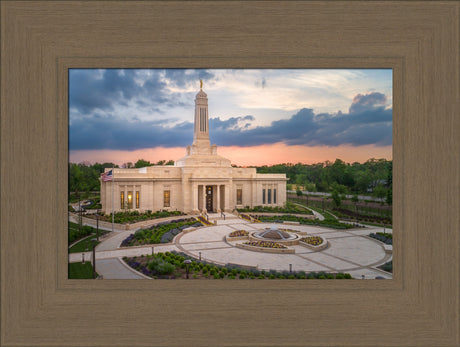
113	181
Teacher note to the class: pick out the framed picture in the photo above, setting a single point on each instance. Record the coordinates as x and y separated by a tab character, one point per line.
275	173
42	40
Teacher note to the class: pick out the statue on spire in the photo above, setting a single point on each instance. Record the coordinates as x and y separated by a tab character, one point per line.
201	84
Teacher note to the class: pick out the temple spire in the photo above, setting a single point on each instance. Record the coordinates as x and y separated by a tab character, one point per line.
201	128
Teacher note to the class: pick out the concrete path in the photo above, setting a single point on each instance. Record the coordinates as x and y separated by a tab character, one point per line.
350	250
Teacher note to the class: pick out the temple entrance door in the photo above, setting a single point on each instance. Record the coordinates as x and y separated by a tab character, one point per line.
209	202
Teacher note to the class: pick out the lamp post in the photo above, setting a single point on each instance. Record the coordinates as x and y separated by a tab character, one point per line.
94	242
97	225
200	255
187	263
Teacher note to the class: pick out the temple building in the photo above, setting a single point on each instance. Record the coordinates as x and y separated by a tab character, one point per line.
201	181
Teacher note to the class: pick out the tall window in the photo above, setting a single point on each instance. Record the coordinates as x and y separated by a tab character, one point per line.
130	200
269	196
122	199
202	119
137	199
263	196
239	196
166	198
274	196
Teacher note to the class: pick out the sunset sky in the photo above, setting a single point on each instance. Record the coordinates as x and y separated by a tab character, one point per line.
256	117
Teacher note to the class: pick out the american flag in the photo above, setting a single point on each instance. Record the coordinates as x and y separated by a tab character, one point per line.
107	176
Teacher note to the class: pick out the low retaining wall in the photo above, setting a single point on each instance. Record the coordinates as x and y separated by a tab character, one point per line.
281	242
237	238
265	250
320	247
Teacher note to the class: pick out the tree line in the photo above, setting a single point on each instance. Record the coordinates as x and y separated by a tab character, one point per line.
84	177
374	177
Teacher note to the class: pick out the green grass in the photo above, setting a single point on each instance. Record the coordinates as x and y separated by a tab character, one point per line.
81	271
81	245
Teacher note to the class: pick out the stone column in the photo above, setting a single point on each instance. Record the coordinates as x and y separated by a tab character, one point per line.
218	198
195	197
204	197
227	197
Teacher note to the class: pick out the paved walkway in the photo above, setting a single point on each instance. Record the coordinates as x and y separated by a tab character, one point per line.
349	251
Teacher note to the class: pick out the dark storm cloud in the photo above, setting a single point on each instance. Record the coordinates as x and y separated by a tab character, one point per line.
181	79
106	89
117	134
367	122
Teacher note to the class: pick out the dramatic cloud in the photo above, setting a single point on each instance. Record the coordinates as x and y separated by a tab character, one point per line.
368	122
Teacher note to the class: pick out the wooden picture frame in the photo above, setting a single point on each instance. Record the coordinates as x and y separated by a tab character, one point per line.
42	39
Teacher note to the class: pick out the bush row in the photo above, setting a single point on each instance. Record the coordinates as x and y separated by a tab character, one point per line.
384	237
289	208
160	233
136	216
155	266
330	223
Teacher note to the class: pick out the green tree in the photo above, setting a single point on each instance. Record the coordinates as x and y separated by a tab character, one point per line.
355	199
336	197
142	163
298	192
170	162
380	191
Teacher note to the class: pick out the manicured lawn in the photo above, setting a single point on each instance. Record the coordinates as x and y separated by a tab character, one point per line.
81	246
81	271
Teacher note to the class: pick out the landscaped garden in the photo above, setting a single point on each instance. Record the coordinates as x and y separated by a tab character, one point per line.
264	244
386	238
312	240
77	233
125	217
370	218
160	233
288	208
170	265
306	221
238	233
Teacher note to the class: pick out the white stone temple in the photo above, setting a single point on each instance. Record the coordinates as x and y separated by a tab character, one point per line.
201	181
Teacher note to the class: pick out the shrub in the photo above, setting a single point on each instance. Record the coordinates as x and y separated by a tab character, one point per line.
291	277
271	276
339	276
216	276
261	276
242	275
160	267
322	277
347	276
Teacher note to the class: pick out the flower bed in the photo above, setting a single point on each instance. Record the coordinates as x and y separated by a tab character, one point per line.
245	217
238	233
312	240
204	221
315	243
264	244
